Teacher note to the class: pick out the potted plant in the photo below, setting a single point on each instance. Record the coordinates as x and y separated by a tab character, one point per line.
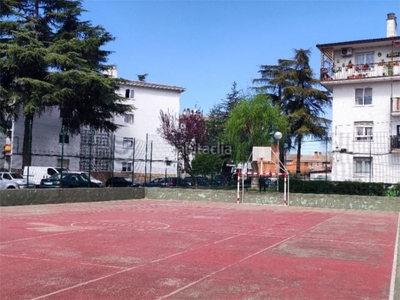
389	68
349	65
365	67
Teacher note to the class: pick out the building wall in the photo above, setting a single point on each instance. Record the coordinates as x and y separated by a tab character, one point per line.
148	100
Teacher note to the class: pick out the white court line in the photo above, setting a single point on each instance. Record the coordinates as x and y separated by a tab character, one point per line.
394	267
170	256
130	269
223	269
39	237
57	261
241	260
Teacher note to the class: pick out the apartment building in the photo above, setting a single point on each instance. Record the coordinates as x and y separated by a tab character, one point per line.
364	78
130	149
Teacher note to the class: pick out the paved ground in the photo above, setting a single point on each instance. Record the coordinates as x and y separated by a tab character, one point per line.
150	249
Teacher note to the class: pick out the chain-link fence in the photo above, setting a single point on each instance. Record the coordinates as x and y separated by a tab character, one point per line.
366	156
104	155
356	154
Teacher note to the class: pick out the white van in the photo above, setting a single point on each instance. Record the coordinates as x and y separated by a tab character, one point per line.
36	174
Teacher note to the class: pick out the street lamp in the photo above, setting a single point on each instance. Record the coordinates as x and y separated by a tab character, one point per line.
278	136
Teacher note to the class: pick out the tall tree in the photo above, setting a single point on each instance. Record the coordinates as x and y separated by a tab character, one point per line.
300	98
187	133
251	123
206	163
220	113
51	59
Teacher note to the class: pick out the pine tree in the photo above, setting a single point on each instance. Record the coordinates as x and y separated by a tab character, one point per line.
49	58
220	113
296	92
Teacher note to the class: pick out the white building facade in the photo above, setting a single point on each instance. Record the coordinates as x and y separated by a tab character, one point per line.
136	147
364	78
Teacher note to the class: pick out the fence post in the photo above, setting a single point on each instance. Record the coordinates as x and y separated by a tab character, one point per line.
151	158
29	151
145	159
90	153
113	156
133	159
62	147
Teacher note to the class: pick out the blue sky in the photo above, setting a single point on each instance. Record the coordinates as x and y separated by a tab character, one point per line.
204	46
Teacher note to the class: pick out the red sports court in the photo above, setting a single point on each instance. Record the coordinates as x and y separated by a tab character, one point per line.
151	249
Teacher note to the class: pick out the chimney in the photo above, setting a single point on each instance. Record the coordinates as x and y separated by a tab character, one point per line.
112	72
391	25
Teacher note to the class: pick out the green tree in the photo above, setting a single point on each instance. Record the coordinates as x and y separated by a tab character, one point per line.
51	59
205	163
300	98
251	123
220	113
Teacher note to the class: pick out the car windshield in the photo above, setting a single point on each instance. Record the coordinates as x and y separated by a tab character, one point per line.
85	177
56	176
16	176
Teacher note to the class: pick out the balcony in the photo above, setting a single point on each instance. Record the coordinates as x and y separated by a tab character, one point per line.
386	70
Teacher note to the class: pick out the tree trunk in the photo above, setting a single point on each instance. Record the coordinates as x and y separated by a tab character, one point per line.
27	143
188	169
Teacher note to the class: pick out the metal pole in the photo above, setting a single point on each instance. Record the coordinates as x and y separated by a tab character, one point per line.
326	158
62	148
29	151
284	190
145	159
277	175
133	160
113	156
238	188
90	153
151	158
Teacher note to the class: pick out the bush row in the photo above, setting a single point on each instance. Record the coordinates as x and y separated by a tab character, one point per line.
341	187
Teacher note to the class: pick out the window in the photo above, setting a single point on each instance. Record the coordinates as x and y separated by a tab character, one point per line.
362	165
365	59
128	118
126	167
364	96
65	164
363	131
129	93
66	138
127	143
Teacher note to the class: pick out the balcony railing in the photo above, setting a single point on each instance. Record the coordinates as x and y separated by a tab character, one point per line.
350	72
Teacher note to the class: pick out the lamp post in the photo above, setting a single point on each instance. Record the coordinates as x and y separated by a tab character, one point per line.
278	136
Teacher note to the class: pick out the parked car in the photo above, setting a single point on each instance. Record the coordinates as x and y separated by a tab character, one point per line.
201	181
121	182
92	179
36	174
156	182
173	181
8	184
220	180
14	177
67	180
